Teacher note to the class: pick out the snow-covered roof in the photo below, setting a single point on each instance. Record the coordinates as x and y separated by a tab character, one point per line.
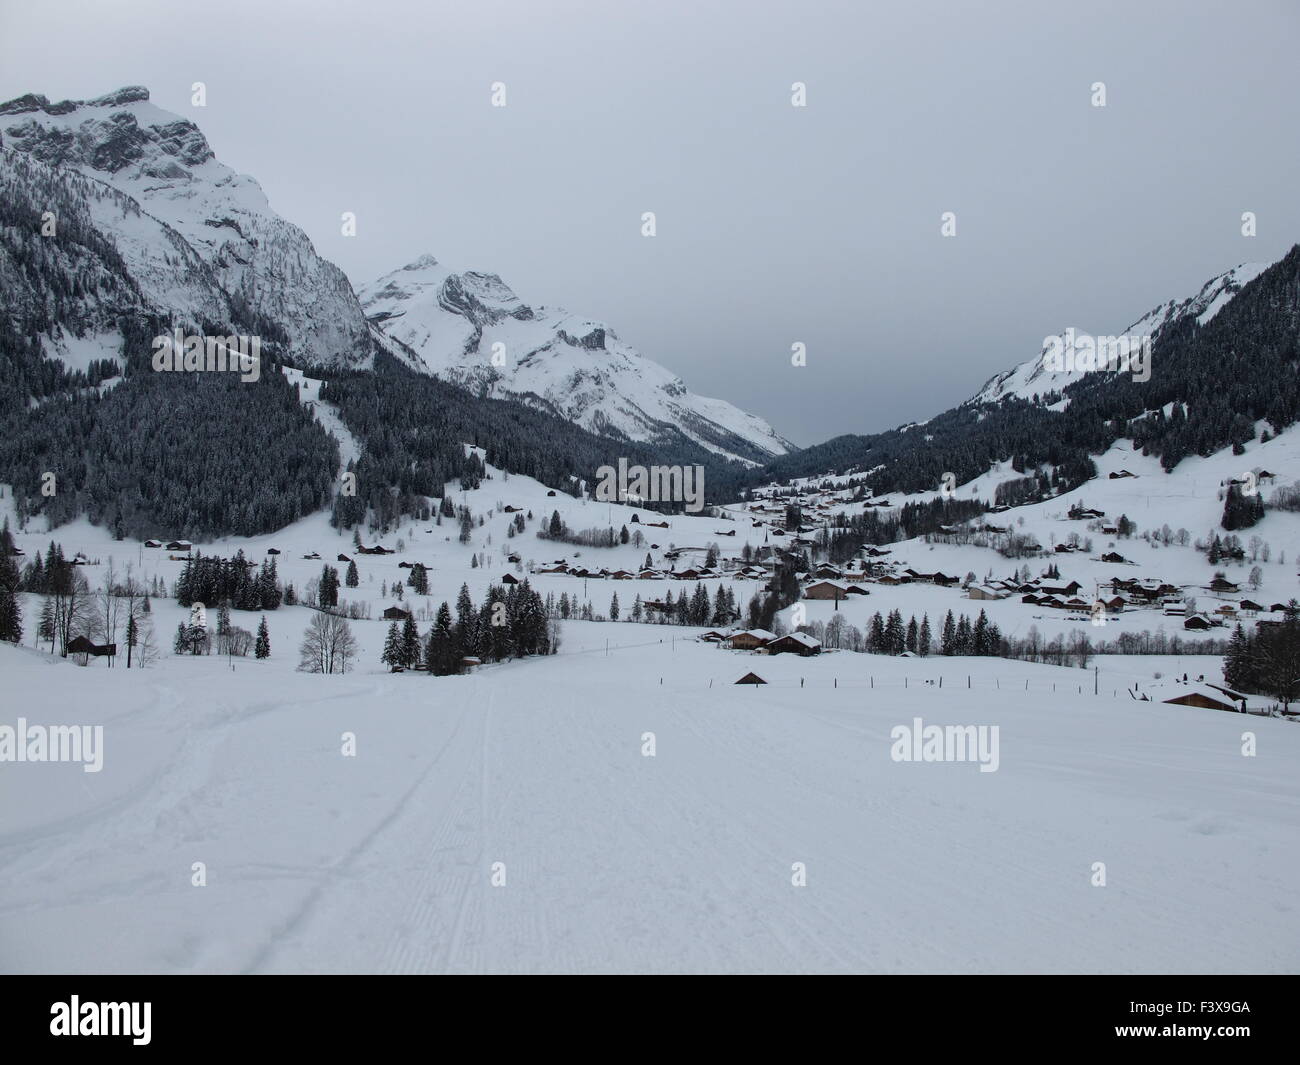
803	638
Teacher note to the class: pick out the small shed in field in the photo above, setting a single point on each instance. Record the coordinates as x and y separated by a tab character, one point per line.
1206	698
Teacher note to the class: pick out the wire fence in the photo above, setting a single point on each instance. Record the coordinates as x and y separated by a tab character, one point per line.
1090	681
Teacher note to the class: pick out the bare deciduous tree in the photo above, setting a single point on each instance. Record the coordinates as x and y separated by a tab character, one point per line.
328	645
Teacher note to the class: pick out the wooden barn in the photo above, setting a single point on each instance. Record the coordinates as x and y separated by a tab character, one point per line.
80	645
794	643
750	639
826	590
1207	699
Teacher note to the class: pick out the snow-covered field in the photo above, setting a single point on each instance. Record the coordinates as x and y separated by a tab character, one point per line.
617	861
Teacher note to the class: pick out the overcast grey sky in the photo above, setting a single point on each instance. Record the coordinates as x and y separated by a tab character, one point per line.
776	224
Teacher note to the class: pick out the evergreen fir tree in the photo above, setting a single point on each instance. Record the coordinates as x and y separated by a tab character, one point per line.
948	638
328	591
410	645
876	635
11	620
964	639
46	628
392	654
418	579
440	654
1237	667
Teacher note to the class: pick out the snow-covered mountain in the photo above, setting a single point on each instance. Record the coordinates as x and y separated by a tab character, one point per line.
118	262
471	328
182	219
164	163
1033	379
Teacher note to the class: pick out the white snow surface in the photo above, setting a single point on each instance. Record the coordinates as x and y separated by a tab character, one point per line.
616	862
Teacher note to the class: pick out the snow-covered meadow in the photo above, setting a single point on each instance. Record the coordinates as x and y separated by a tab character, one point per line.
612	859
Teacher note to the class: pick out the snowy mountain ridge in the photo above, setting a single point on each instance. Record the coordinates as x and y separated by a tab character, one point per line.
1033	379
472	329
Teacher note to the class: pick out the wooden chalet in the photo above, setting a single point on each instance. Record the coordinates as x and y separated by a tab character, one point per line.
749	639
833	590
1207	698
80	645
797	643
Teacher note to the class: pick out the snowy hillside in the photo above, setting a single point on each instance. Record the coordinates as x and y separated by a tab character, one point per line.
1189	501
472	329
164	163
1033	378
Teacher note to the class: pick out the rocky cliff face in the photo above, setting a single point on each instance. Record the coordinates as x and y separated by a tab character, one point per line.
164	163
